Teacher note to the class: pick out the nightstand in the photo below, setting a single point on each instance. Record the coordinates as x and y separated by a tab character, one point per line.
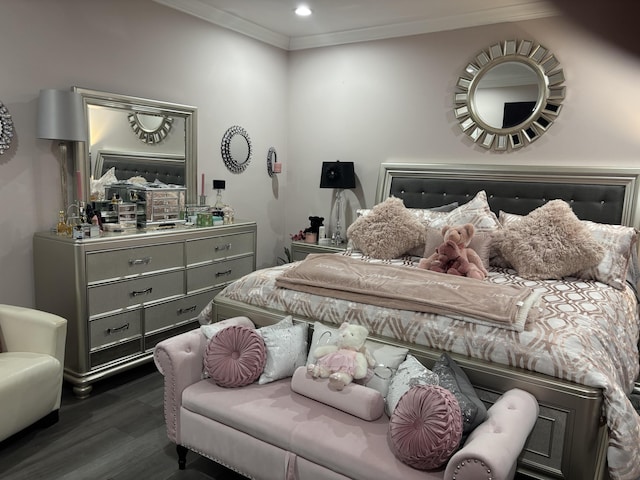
299	250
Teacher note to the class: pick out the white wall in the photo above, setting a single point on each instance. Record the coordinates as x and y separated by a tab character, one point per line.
369	103
392	100
140	48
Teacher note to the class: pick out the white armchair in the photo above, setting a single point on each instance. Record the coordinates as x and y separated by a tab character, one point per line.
32	346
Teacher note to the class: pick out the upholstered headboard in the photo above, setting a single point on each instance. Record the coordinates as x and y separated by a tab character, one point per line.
596	194
169	169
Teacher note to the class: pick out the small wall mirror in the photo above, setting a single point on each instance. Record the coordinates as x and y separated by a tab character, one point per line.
509	95
236	149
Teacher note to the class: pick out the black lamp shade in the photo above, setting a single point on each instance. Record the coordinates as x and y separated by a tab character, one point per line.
337	175
219	184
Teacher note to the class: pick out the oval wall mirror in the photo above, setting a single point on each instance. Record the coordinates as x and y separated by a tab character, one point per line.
6	129
150	128
509	94
236	149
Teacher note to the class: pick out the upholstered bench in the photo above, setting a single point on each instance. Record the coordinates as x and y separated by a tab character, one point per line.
268	431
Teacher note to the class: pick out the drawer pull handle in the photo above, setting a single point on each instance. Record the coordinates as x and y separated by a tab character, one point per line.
142	292
223	247
140	261
124	327
192	308
226	272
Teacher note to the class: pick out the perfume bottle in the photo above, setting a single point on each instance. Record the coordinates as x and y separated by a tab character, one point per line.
62	228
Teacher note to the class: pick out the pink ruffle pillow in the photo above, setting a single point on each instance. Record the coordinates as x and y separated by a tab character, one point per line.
426	427
235	357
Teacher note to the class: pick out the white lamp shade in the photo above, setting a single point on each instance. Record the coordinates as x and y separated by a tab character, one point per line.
61	116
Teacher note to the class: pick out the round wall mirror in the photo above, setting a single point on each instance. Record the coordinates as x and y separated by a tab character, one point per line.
236	149
150	128
509	95
6	129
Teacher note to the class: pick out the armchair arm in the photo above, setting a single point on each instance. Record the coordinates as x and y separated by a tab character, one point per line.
180	360
29	330
493	448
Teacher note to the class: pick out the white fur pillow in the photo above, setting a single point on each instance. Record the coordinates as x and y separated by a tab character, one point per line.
548	243
388	231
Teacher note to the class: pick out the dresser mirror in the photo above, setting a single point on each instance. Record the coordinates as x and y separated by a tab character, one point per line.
509	94
137	135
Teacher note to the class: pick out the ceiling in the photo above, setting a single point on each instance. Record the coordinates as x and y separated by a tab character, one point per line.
337	22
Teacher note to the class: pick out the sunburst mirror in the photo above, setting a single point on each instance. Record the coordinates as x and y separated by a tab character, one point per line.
509	94
150	128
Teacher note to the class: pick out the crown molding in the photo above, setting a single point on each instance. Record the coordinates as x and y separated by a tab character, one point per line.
514	13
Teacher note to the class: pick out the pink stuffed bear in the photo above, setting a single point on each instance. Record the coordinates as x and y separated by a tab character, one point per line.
454	256
344	361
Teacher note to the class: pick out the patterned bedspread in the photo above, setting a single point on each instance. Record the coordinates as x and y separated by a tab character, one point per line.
587	333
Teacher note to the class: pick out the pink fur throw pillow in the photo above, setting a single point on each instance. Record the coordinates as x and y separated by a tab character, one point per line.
235	357
388	231
425	429
548	243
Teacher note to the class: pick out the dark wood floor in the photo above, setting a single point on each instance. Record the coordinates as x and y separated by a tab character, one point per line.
116	434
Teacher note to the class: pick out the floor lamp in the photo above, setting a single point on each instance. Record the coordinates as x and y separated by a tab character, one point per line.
61	118
338	175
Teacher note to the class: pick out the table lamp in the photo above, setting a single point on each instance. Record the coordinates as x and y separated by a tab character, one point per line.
338	175
61	117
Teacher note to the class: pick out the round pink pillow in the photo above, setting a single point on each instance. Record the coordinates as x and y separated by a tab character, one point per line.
426	427
235	357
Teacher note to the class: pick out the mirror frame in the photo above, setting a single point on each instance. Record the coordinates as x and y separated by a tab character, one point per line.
551	93
225	149
150	135
132	105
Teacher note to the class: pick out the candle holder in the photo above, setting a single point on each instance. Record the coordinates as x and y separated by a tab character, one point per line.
203	200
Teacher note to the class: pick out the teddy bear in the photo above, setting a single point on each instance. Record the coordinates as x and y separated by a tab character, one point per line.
344	361
453	255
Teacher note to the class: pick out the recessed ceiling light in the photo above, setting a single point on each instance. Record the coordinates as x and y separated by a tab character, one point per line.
303	11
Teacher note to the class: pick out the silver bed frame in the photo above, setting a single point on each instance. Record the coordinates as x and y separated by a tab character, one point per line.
569	440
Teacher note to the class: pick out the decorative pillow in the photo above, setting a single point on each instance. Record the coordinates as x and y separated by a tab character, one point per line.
235	356
480	243
426	427
211	330
410	373
619	244
363	402
476	212
453	378
549	243
286	344
388	357
388	231
418	212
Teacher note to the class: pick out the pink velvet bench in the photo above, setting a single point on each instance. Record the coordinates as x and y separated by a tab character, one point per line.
270	432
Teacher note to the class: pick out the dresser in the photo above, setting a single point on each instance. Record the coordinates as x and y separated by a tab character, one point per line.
122	293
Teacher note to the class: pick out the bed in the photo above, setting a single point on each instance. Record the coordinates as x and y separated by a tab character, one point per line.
580	358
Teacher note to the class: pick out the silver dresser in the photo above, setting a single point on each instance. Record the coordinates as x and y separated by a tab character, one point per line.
122	293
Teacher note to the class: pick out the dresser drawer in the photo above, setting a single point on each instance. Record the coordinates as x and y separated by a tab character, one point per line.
208	276
114	296
169	314
114	329
114	264
215	248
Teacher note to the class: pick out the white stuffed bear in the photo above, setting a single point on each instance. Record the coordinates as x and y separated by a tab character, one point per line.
344	361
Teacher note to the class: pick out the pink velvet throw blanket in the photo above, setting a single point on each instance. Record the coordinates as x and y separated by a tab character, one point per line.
392	286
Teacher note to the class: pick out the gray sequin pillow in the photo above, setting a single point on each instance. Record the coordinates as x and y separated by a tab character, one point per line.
453	378
410	373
